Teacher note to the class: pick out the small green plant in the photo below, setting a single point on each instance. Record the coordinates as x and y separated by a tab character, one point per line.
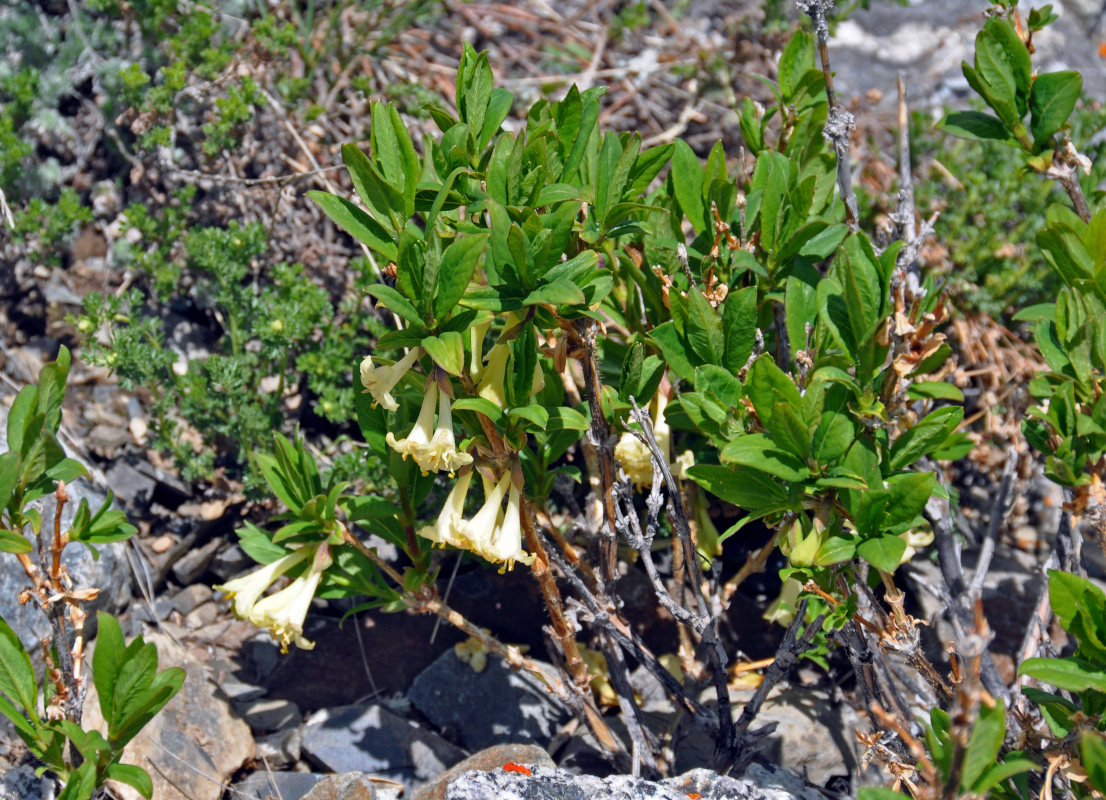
131	690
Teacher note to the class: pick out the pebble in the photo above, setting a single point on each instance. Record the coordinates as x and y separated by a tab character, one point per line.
266	715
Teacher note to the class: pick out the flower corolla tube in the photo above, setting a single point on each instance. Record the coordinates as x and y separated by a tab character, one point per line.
442	453
491	383
284	612
495	534
245	591
448	528
380	380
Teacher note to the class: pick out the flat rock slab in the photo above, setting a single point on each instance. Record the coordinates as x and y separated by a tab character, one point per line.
493	706
492	758
545	783
287	785
371	739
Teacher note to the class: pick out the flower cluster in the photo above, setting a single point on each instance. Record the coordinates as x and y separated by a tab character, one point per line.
433	448
493	533
283	612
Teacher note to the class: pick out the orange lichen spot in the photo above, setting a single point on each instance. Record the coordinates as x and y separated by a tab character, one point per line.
511	766
694	795
1102	50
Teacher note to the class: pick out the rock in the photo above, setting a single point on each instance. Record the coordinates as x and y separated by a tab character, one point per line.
190	597
546	783
230	561
270	714
111	572
491	758
129	485
194	744
369	738
238	691
284	785
280	749
191	566
201	616
22	784
143	612
349	786
493	706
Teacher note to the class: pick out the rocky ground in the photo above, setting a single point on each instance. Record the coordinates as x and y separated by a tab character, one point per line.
391	695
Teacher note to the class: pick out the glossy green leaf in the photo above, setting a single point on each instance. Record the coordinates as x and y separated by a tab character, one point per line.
882	552
459	261
975	125
747	488
739	327
1051	102
1065	673
984	744
447	350
17	678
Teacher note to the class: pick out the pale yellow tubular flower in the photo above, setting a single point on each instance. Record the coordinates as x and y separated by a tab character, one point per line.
783	609
684	461
480	531
635	460
380	380
505	546
419	437
441	453
247	589
491	384
447	530
915	541
284	612
476	344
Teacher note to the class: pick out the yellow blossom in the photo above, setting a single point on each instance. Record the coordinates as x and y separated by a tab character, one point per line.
491	383
450	522
380	380
419	437
247	589
504	546
284	612
442	453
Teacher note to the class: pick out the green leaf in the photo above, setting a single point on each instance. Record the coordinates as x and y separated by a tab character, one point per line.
927	435
12	542
995	774
17	678
534	413
1051	102
1069	674
789	431
704	329
395	153
796	59
107	661
394	301
1092	752
354	221
673	349
739	327
757	451
485	407
935	390
767	385
561	292
832	437
447	350
630	379
748	488
563	418
907	496
975	125
385	203
984	744
459	262
687	184
133	776
882	552
878	793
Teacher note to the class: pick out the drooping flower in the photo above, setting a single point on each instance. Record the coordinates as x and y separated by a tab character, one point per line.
442	453
915	541
284	612
245	591
476	343
448	528
635	460
479	530
783	608
491	383
505	544
419	437
380	380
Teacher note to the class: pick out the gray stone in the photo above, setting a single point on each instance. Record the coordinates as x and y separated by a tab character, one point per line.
111	572
369	738
270	714
350	786
143	612
201	616
545	783
239	691
279	785
493	706
190	597
280	749
230	562
193	746
130	485
22	784
191	566
492	758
